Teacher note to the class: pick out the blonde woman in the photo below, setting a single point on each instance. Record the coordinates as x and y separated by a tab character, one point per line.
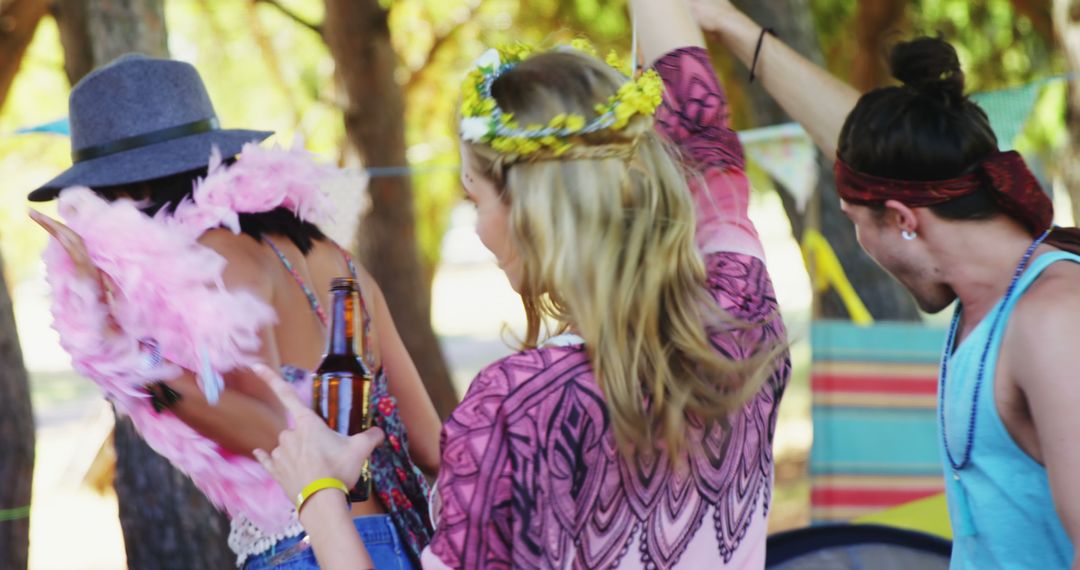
639	437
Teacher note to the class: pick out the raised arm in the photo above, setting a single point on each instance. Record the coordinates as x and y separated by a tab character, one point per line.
806	92
663	26
246	415
695	117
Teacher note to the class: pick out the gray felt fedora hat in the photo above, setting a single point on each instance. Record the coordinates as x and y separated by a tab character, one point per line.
140	118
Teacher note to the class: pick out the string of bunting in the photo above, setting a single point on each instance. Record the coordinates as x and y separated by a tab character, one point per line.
1008	109
7	515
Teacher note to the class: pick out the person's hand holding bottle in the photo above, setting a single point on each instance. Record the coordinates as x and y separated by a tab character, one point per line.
310	450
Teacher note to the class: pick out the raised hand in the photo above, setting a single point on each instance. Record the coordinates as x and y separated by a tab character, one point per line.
310	450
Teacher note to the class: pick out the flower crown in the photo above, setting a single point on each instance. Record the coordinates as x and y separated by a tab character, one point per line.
482	121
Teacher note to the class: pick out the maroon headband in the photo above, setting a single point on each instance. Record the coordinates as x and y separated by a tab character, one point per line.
1016	189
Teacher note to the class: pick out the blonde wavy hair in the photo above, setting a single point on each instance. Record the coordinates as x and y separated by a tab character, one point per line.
605	235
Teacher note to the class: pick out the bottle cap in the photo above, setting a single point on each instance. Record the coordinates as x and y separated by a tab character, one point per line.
347	283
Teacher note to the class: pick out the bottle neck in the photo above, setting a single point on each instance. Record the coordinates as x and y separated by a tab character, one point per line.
344	321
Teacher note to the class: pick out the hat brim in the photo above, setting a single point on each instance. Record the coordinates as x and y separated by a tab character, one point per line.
149	162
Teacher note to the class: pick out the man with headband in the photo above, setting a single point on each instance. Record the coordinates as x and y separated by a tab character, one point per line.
953	219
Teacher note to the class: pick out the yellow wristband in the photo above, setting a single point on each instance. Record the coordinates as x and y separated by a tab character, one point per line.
316	486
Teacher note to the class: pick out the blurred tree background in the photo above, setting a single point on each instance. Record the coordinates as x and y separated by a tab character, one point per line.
374	83
267	65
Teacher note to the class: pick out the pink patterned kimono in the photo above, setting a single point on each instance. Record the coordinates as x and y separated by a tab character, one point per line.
531	477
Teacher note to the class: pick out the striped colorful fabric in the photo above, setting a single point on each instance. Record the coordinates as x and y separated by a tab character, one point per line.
875	438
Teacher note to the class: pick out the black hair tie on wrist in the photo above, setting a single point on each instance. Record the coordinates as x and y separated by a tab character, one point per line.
757	51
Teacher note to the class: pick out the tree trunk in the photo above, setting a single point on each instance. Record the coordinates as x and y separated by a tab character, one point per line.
167	522
94	32
874	22
16	441
1067	25
883	296
358	36
18	22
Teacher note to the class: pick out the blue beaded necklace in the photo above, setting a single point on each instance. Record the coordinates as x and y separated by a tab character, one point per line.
949	346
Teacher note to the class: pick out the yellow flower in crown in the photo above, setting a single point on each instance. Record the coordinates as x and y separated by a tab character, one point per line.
583	45
482	121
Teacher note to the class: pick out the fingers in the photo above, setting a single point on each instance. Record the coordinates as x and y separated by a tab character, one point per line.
54	227
70	240
266	461
281	389
364	443
50	226
45	222
288	442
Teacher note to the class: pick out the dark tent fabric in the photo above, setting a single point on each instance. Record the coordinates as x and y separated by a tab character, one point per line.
856	546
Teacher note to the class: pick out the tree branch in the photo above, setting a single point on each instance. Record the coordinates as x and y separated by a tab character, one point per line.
439	43
1039	12
273	64
318	29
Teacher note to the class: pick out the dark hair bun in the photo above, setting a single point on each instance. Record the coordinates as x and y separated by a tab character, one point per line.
930	67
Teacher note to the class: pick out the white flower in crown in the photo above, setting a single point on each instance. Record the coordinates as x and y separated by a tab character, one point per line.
475	129
490	59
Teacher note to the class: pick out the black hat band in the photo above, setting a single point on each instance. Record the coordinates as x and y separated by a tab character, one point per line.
145	139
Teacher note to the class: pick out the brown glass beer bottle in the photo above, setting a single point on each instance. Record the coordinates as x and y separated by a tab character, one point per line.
341	390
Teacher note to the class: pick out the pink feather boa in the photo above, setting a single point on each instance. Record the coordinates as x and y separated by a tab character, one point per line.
169	289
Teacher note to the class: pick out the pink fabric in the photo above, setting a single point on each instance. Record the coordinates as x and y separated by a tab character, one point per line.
169	290
261	180
530	477
698	554
696	118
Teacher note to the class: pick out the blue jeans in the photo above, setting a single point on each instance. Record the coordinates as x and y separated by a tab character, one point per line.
378	532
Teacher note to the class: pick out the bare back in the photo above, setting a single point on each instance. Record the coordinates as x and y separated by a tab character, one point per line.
299	334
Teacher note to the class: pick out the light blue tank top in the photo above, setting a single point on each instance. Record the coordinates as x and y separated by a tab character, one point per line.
1000	505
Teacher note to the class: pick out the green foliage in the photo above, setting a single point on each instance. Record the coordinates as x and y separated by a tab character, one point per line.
834	22
436	41
604	22
997	47
1047	129
263	70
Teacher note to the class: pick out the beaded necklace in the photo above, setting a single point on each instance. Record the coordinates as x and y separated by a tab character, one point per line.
949	344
